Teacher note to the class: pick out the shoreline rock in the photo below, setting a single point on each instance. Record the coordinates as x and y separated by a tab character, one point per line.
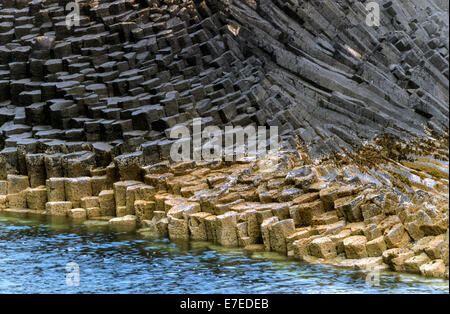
314	227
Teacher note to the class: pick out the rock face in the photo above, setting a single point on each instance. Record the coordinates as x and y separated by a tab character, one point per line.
232	211
111	89
362	112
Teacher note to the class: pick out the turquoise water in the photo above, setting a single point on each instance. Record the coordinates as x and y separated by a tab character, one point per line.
34	254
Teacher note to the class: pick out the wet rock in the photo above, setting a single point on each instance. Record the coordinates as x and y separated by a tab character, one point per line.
93	212
338	240
77	214
89	202
323	248
301	247
210	224
398	261
368	263
131	195
107	203
413	264
278	233
99	108
434	268
266	226
58	208
197	226
3	187
126	223
355	247
37	198
178	228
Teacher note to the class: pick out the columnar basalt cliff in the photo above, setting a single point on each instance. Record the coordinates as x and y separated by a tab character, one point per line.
361	177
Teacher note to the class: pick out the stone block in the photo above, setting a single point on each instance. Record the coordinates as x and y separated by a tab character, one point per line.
307	211
3	202
3	187
93	212
129	166
99	183
89	202
131	195
35	169
226	229
144	210
434	269
266	227
323	248
120	191
376	247
125	223
278	234
121	211
350	207
17	183
355	247
107	203
178	228
413	264
17	200
77	214
76	189
36	198
396	237
58	208
210	225
56	189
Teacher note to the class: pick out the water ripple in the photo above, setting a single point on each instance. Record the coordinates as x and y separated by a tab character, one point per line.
34	255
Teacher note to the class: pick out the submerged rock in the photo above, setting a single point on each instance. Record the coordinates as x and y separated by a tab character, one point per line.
126	223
